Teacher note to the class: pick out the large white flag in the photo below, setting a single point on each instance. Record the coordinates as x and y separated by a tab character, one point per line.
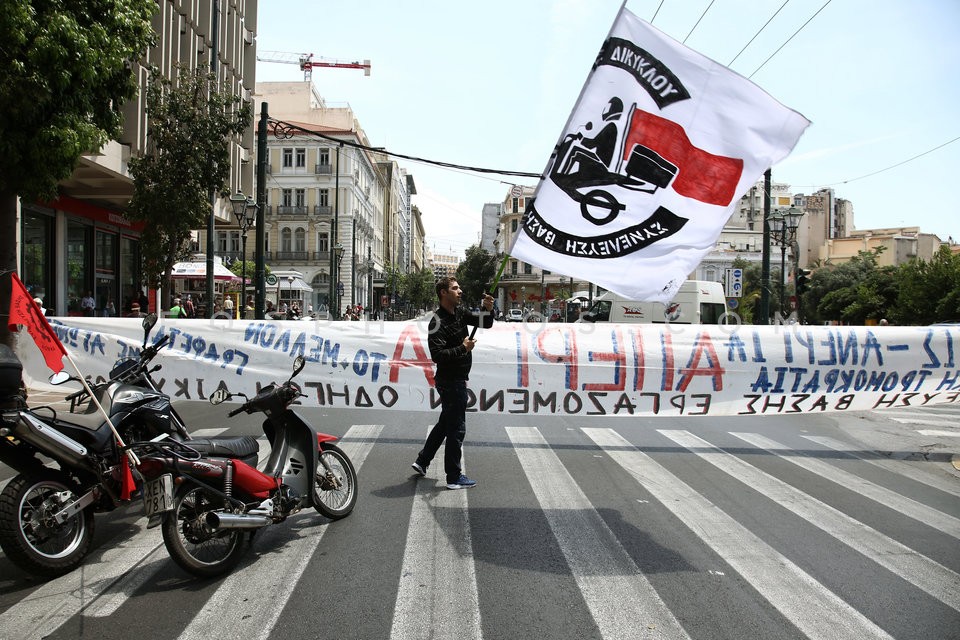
658	149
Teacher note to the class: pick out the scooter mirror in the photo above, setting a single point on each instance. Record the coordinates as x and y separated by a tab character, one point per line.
59	378
298	365
219	396
149	321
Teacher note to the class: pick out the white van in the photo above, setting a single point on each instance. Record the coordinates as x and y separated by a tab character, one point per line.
696	302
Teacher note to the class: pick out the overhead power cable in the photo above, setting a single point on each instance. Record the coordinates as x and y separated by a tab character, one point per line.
893	166
786	2
357	145
789	39
698	21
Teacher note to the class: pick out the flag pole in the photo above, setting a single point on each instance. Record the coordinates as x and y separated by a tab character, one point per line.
86	387
493	287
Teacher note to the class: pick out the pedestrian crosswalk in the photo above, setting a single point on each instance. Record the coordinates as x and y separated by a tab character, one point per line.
625	530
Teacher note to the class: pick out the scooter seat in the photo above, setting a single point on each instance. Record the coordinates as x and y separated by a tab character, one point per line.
226	447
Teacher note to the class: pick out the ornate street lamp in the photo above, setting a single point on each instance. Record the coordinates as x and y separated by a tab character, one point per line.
245	210
783	229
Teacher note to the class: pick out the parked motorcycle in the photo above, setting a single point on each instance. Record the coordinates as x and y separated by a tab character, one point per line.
46	511
208	501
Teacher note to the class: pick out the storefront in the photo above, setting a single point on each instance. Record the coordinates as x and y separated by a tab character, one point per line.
71	250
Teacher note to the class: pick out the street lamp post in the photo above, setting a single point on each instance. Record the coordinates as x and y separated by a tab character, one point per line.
245	210
338	251
783	228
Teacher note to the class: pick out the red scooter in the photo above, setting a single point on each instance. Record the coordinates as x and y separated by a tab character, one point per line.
208	501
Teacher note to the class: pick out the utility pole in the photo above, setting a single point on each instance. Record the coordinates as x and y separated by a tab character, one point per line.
765	272
259	275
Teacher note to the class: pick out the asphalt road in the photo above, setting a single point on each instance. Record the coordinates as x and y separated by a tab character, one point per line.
816	526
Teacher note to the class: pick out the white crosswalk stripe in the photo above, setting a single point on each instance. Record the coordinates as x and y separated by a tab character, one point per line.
620	598
941	482
907	506
437	595
932	577
815	610
435	589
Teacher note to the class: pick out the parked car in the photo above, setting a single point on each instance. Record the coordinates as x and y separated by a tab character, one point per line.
515	315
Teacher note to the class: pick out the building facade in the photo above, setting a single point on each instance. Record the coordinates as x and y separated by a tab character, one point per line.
82	243
336	211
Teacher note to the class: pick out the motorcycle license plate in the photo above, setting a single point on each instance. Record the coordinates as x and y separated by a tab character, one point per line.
158	495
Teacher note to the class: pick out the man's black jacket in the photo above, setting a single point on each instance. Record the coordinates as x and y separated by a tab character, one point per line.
447	331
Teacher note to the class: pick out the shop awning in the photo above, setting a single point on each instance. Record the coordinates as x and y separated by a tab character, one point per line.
185	270
298	284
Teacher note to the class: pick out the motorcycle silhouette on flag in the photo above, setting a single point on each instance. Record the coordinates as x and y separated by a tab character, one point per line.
640	152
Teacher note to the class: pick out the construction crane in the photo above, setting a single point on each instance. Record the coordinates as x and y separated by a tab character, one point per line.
307	62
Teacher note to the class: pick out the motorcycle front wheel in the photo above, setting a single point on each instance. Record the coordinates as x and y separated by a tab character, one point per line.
189	539
30	536
335	484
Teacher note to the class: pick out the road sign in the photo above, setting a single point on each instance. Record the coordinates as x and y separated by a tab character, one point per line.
733	303
734	283
271	279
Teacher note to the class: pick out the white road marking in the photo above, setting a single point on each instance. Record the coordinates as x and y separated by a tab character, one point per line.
620	598
901	467
437	595
915	568
815	610
907	506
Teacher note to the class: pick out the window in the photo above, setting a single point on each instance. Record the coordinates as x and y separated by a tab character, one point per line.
300	240
301	197
324	197
513	267
286	240
325	157
286	198
323	242
301	158
527	269
287	158
513	225
516	205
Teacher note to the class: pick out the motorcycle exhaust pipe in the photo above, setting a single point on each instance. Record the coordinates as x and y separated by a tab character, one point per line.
236	521
51	442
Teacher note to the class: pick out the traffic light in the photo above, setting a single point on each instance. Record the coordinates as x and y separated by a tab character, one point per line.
803	281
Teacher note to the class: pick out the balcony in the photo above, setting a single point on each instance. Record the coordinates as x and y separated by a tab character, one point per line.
287	212
322	210
298	257
323	169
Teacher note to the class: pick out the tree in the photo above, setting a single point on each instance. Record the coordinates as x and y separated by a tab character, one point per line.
475	274
419	289
65	75
928	292
189	124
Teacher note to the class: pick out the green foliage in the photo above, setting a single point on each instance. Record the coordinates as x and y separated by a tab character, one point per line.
475	274
419	289
65	75
190	122
928	292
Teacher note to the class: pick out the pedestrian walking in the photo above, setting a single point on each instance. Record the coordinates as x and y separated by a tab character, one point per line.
450	348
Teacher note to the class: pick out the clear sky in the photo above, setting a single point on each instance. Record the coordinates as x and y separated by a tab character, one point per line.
491	84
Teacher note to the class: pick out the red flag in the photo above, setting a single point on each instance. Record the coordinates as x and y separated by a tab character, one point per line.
127	484
703	176
24	311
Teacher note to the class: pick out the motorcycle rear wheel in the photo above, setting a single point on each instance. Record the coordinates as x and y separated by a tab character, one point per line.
334	494
28	534
191	543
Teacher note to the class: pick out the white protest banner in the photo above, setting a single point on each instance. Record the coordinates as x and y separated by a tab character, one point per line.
658	149
542	369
